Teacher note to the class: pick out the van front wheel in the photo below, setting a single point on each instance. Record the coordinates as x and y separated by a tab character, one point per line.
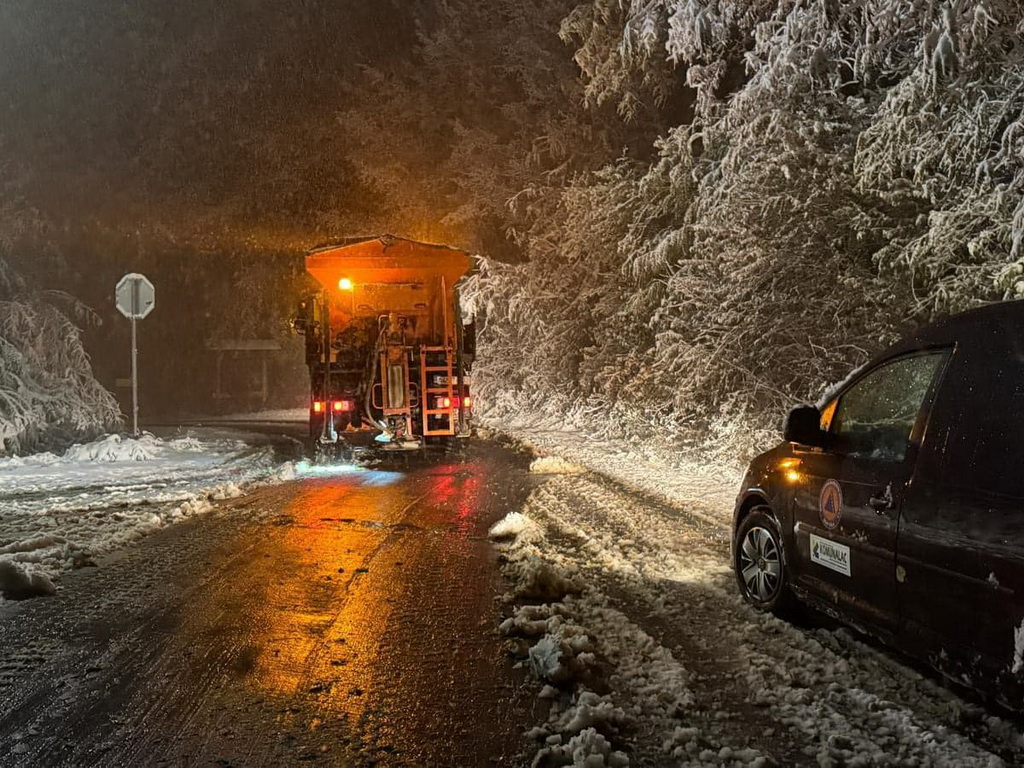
760	563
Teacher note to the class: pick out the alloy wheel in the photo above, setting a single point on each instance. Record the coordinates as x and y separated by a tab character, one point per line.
760	564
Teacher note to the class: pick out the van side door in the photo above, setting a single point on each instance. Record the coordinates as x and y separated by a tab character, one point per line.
961	541
847	503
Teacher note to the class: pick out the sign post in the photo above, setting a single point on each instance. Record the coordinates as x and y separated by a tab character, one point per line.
135	298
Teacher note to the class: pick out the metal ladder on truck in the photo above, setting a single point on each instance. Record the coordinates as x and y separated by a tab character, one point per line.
438	399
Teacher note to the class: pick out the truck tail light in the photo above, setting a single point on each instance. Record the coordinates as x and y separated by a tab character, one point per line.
468	402
342	405
318	406
444	402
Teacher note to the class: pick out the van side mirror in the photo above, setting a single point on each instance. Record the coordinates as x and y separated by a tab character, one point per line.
803	425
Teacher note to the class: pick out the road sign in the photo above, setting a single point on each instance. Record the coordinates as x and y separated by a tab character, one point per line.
135	296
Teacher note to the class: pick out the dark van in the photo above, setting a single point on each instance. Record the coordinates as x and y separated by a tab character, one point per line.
898	504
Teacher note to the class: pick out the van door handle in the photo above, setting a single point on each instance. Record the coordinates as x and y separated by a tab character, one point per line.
882	502
879	503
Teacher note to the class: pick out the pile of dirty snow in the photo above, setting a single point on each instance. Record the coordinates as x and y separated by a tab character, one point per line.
606	678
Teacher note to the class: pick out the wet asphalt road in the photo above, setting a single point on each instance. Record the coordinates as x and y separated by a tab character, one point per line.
342	619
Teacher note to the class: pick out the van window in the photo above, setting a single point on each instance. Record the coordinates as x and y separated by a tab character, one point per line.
875	418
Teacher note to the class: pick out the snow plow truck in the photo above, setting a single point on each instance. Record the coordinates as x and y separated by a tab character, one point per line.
388	353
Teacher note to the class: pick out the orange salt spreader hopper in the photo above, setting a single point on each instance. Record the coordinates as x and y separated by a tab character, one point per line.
381	275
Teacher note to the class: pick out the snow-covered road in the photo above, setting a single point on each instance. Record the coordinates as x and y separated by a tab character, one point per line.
358	617
624	605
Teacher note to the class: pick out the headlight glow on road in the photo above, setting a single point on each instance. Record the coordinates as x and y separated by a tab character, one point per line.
364	474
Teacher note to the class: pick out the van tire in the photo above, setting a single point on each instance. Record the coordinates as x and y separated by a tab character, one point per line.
759	559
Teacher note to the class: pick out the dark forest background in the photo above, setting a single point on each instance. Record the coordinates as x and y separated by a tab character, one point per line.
691	213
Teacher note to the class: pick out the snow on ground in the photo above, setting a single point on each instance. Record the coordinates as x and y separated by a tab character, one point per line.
285	415
707	489
59	512
624	609
554	465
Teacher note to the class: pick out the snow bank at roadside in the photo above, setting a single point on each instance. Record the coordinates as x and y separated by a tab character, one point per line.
554	465
118	448
557	650
59	512
677	478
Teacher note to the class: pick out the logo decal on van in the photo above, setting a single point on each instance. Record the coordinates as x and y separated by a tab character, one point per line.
831	555
830	504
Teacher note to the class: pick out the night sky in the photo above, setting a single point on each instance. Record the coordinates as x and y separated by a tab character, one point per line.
200	143
211	123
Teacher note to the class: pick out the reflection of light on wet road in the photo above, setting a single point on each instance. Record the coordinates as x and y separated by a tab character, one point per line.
374	580
318	623
468	502
346	619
